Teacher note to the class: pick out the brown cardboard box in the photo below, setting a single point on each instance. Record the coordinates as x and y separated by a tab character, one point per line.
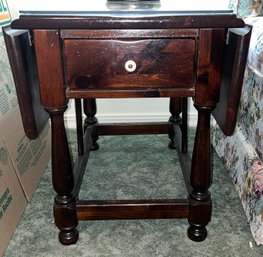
29	157
22	161
8	99
12	200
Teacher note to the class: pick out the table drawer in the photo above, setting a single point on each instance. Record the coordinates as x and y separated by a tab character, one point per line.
148	63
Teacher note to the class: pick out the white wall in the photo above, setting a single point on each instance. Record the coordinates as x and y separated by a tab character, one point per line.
132	110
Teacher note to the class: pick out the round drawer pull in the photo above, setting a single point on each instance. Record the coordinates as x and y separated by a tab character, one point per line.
130	66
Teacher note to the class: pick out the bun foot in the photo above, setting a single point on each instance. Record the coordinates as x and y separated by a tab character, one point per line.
197	233
68	237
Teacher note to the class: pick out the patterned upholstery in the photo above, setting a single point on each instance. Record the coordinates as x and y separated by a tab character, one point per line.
242	152
251	108
245	8
255	56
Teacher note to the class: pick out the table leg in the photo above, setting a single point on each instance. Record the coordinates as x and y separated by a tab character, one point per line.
175	107
200	205
63	179
90	110
184	125
79	126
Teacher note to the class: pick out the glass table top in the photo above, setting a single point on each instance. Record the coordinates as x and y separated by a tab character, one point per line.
122	8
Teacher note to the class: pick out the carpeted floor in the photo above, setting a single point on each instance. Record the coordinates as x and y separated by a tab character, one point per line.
135	167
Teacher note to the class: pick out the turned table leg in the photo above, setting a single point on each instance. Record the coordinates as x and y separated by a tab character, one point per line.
175	107
63	179
79	126
184	125
200	205
53	97
90	110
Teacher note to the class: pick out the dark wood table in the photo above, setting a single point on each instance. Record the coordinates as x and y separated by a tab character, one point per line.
177	55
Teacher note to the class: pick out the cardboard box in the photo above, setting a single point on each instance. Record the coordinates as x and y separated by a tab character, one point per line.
5	15
29	157
8	98
22	161
12	200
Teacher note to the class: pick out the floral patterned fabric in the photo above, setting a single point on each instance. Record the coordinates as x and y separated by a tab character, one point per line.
246	170
245	8
255	55
250	118
242	152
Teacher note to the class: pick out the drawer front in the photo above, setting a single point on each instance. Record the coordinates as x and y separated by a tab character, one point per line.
149	63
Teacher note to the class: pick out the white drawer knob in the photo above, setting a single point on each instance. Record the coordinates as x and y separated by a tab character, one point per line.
130	66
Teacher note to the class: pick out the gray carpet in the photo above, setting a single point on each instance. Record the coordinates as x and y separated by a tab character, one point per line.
133	167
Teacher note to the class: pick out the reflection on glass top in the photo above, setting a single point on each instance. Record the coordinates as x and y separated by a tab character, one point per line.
122	7
126	5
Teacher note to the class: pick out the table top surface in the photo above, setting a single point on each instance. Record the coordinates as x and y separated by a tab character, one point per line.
117	8
133	14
